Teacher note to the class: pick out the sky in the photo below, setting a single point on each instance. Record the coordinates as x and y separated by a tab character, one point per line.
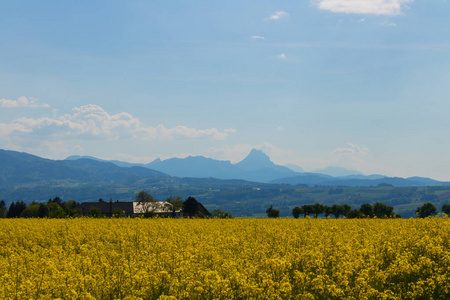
359	84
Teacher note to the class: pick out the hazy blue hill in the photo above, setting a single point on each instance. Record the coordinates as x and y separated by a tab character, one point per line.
371	177
150	164
21	168
295	168
31	178
196	166
399	182
257	166
116	162
256	160
337	171
312	179
394	181
108	171
264	175
304	178
7	156
427	181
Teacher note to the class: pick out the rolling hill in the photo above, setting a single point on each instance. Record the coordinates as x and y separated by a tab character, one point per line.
32	178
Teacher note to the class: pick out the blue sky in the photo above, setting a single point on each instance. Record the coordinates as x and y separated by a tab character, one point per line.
360	84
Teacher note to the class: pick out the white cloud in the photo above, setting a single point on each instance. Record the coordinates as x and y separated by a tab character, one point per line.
377	7
132	158
234	153
92	122
282	56
351	149
56	147
22	102
181	131
278	15
257	37
78	148
278	154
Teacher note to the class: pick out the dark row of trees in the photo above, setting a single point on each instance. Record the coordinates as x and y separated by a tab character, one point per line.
378	210
428	210
317	209
54	208
367	210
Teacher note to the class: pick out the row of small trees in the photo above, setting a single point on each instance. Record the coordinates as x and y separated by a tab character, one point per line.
54	208
367	210
379	210
428	210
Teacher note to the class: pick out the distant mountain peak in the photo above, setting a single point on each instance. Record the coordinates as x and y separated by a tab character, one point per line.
154	162
255	160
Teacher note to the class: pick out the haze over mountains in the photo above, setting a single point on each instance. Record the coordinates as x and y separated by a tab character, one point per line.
244	188
21	168
25	170
257	167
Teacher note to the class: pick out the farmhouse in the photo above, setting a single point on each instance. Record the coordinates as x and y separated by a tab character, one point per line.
130	209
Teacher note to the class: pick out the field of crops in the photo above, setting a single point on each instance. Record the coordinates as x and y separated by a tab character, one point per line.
224	259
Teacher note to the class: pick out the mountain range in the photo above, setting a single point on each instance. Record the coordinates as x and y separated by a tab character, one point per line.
258	167
25	170
245	188
22	169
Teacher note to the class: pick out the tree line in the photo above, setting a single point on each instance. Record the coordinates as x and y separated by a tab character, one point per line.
367	210
54	208
379	210
57	208
429	210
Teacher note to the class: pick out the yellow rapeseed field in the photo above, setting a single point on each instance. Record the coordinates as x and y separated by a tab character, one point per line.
224	259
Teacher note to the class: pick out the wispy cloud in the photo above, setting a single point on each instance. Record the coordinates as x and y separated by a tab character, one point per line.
282	56
93	122
22	102
376	7
351	149
278	15
257	37
131	158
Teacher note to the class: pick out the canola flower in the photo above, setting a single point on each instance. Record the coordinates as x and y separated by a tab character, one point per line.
224	259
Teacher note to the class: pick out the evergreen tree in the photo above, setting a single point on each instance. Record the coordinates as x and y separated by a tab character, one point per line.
42	211
16	209
190	207
3	209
